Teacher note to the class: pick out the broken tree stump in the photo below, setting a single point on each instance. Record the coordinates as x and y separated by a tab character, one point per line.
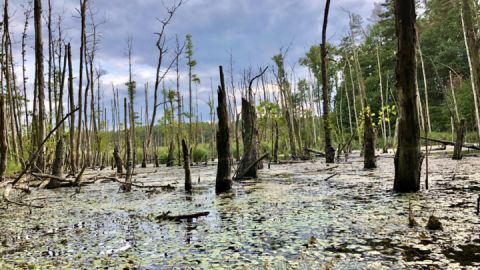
223	182
457	150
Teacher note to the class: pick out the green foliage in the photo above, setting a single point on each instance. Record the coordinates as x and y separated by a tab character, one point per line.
200	153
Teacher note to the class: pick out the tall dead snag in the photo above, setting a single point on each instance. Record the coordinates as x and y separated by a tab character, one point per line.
472	47
3	138
286	98
457	150
83	12
71	102
223	182
329	150
369	160
40	82
3	114
408	159
127	187
247	168
159	74
186	166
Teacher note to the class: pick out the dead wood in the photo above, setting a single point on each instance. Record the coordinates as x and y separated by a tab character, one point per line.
331	176
167	216
241	175
316	152
34	156
445	142
6	194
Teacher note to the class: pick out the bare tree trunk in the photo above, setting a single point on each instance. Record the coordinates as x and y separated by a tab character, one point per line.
329	150
128	178
460	130
275	145
223	181
171	154
71	134
186	166
117	159
384	128
369	161
27	14
3	138
408	158
471	47
425	86
83	11
39	79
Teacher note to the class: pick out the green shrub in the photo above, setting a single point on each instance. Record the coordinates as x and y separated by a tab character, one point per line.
200	153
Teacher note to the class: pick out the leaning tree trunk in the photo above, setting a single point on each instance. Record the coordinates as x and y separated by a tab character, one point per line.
408	159
223	181
460	130
329	150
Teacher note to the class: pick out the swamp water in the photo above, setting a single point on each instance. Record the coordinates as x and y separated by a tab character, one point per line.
290	218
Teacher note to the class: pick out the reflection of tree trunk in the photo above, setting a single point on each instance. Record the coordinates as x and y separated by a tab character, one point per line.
408	158
223	181
457	150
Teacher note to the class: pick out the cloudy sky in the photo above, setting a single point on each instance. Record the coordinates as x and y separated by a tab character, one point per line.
253	30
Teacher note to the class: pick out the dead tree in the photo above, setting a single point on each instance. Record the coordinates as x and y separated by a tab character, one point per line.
186	167
369	160
223	181
329	150
171	153
83	39
117	159
408	158
249	135
159	74
40	82
127	187
71	134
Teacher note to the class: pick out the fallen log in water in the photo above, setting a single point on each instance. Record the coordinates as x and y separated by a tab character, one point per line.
315	152
445	142
167	216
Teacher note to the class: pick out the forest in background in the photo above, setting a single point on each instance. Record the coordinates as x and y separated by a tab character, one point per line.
289	109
